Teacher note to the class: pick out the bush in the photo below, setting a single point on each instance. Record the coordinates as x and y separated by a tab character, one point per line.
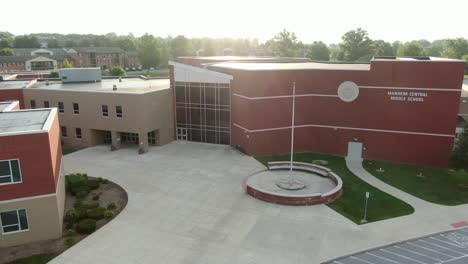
70	233
71	216
117	71
109	214
77	184
70	241
96	213
93	184
81	212
53	74
86	226
111	206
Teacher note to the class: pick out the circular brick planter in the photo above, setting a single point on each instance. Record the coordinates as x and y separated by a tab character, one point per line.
322	184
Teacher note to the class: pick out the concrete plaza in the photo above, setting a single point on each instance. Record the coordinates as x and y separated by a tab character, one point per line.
187	205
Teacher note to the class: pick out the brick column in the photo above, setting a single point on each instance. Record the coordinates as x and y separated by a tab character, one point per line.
115	140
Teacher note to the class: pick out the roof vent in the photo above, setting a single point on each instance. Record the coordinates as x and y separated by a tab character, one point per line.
47	82
114	87
120	79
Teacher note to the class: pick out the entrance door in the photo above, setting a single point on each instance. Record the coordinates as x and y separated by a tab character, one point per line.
355	150
181	133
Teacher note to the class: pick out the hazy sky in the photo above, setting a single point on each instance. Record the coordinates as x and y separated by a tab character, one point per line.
311	20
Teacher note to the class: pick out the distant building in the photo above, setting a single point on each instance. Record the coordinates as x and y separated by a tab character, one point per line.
32	190
44	59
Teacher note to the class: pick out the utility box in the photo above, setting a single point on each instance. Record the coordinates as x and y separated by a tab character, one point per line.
80	75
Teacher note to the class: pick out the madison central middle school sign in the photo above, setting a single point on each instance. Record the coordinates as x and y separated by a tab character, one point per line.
407	96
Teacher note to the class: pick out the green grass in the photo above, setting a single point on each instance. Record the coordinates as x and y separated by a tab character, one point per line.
436	185
36	259
351	203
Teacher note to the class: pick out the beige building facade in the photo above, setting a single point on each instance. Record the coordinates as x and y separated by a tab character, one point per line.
118	112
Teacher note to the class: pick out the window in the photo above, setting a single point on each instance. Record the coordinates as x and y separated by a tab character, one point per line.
78	133
118	110
76	108
46	104
33	104
14	221
10	172
105	110
64	131
153	137
61	108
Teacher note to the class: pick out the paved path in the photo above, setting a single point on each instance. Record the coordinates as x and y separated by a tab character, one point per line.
187	205
355	166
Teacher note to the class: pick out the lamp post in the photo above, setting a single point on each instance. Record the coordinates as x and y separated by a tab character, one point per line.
364	220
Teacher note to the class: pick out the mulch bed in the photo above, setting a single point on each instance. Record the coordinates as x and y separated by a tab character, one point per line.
109	193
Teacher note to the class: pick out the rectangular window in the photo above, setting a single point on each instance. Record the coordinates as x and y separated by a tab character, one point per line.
76	108
33	104
14	221
118	111
46	104
10	172
64	131
61	108
105	110
78	133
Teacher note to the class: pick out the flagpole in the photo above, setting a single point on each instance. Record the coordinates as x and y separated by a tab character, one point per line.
291	178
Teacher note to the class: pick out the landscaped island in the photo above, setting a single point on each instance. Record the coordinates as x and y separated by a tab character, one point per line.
90	204
351	203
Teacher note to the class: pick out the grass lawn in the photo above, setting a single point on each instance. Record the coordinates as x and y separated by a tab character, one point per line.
351	203
441	186
36	259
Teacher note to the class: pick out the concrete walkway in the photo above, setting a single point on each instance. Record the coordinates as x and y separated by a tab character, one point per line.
187	205
355	166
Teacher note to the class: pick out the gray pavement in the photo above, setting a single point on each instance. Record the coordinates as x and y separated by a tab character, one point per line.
187	205
448	247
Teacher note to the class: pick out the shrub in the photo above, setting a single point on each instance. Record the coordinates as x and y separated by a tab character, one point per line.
78	203
81	212
70	233
109	214
71	216
86	226
93	184
111	206
53	74
82	193
70	241
96	213
77	183
69	226
105	181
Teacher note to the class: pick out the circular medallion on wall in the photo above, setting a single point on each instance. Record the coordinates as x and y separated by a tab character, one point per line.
348	91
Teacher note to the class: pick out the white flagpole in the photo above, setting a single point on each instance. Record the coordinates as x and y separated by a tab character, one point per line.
291	179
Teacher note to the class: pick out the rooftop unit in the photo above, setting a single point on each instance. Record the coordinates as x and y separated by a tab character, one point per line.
77	75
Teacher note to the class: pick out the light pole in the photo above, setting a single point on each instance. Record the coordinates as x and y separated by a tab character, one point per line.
364	220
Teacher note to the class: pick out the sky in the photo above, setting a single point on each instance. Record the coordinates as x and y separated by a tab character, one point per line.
310	20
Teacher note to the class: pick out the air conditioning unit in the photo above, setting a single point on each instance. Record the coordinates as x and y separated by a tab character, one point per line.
80	75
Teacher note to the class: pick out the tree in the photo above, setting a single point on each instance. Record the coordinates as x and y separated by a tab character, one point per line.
412	48
455	48
383	48
465	58
117	71
53	74
70	43
356	46
53	43
459	155
180	46
435	49
26	42
7	52
148	51
66	64
284	44
318	51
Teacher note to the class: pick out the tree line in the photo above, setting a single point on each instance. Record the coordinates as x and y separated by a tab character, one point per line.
355	46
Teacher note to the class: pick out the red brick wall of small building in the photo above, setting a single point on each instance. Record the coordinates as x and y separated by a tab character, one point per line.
39	161
12	95
373	109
